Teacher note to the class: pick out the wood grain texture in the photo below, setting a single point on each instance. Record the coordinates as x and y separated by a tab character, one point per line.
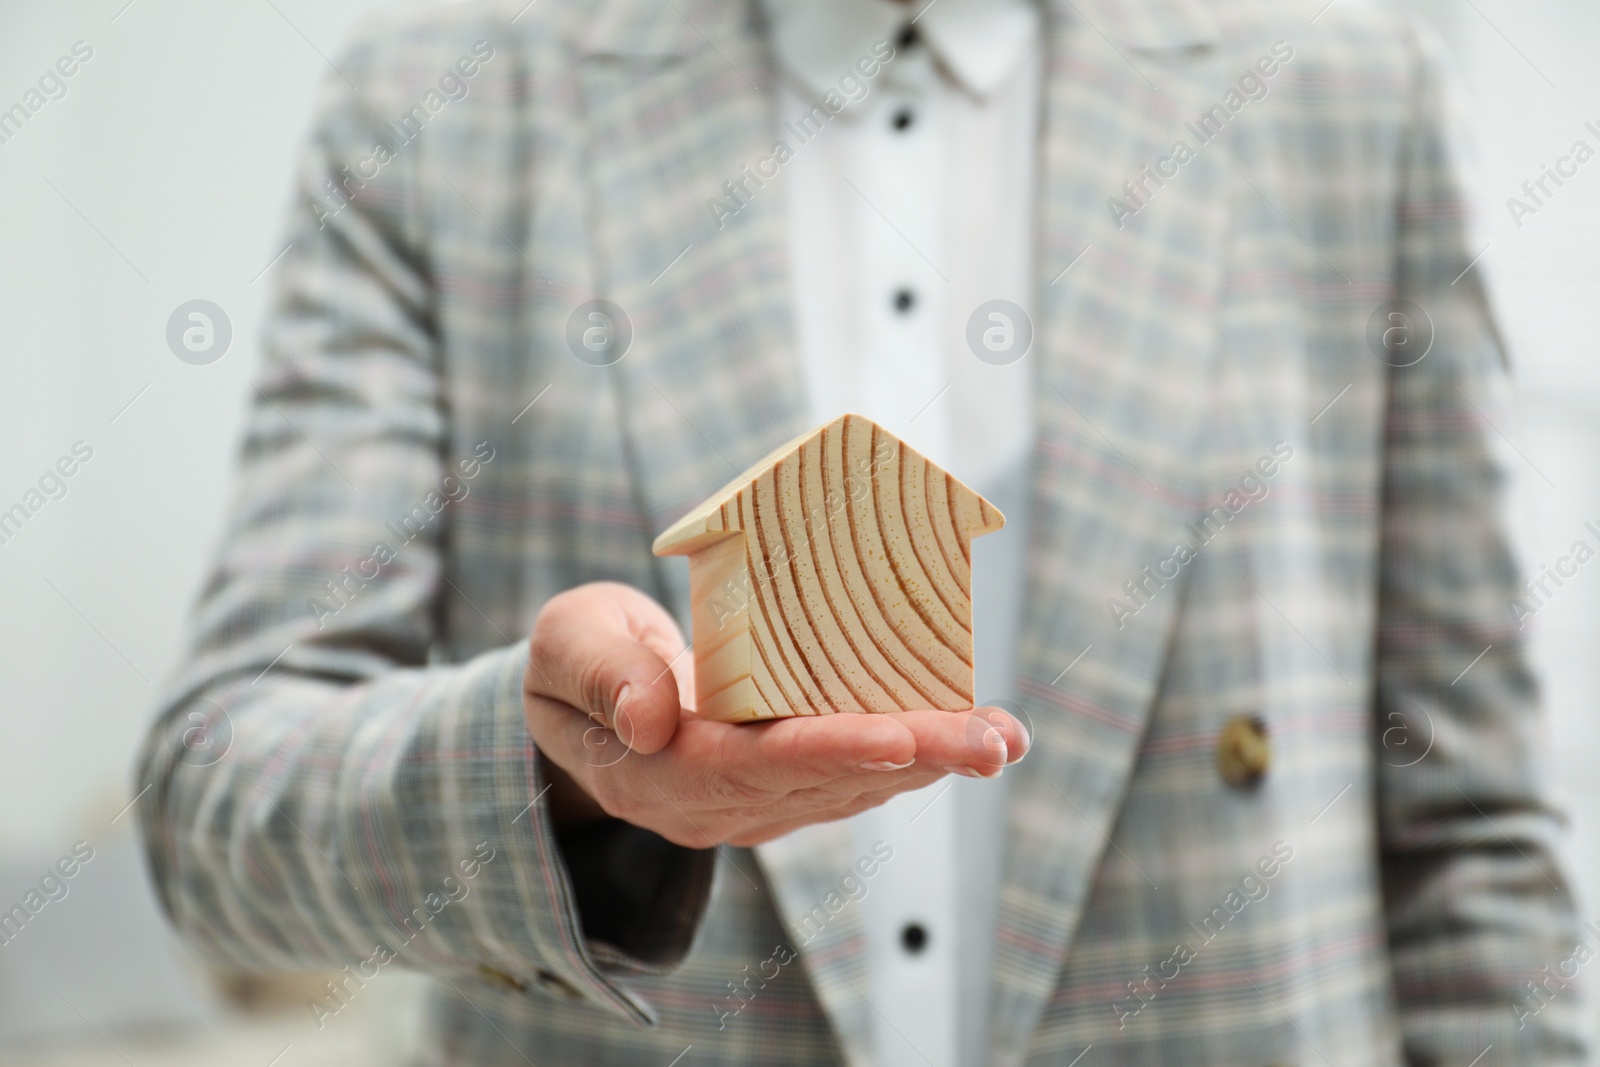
834	576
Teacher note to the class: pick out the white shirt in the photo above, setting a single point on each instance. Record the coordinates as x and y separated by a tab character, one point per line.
908	210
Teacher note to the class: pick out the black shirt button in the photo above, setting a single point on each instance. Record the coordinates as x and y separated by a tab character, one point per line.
904	300
902	119
914	938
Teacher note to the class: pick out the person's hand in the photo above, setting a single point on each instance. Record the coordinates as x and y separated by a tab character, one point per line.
607	695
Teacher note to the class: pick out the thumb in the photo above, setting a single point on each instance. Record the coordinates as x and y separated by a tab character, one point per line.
595	648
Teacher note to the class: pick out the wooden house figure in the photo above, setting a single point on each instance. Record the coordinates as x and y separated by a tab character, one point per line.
835	575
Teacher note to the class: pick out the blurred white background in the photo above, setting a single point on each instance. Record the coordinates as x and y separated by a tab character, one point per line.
162	176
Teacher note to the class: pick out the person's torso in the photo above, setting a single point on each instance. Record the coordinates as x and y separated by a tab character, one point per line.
1189	338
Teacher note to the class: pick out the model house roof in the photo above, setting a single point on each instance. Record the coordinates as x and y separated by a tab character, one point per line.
848	437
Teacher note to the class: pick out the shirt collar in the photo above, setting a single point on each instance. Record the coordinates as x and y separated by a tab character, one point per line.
980	42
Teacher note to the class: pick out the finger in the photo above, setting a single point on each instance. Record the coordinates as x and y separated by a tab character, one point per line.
859	751
989	736
976	743
773	759
621	782
606	650
579	745
842	754
1019	741
807	802
768	831
799	781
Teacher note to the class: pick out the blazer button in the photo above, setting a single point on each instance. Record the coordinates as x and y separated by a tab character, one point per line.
1243	751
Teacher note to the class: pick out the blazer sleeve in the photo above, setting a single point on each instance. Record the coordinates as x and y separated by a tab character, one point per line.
316	791
1479	901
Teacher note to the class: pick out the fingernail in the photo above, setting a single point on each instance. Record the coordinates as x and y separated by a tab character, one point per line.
1027	738
963	769
886	765
619	716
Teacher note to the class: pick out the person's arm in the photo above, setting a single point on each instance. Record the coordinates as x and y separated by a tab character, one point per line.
320	794
1477	895
356	801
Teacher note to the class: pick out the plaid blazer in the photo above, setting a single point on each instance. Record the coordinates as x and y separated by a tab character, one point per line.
341	773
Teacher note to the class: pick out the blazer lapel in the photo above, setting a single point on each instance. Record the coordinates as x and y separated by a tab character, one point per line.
710	383
1128	352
